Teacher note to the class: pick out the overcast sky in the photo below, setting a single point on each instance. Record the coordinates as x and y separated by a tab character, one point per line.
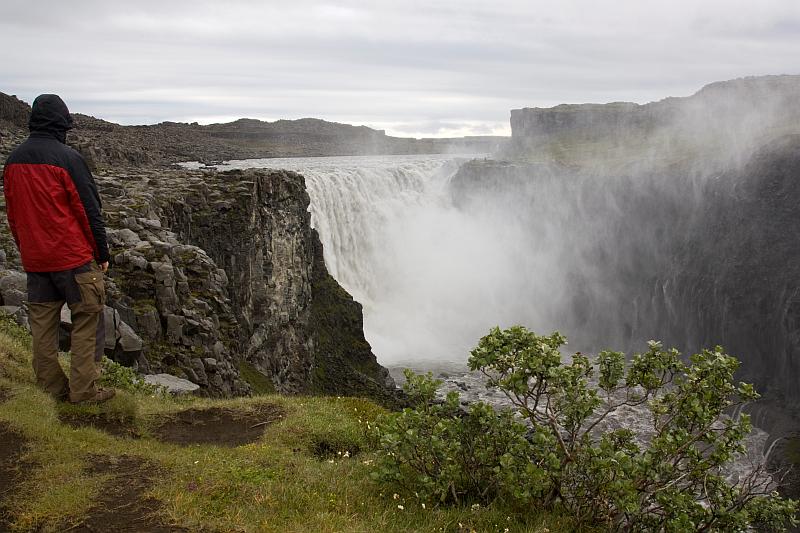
413	68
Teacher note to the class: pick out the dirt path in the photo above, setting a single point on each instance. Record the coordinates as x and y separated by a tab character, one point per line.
122	505
118	428
223	427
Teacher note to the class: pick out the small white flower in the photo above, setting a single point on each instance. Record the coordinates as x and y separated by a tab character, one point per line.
400	507
423	506
346	454
396	496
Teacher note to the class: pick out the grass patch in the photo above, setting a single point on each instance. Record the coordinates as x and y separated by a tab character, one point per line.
118	416
259	383
308	471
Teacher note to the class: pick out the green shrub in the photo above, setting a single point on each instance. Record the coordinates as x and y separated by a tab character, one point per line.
442	453
121	377
669	478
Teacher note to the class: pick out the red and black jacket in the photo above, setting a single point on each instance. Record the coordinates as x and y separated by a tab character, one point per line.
53	206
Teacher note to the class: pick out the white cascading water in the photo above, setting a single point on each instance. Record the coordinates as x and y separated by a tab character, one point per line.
422	269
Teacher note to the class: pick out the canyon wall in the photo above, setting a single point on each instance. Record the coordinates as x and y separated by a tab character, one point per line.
676	220
722	118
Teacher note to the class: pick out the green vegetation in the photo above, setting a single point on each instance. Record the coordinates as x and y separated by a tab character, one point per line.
310	471
144	305
346	464
260	383
671	478
117	376
343	359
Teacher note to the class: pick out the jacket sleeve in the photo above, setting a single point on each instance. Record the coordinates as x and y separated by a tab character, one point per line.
10	208
90	199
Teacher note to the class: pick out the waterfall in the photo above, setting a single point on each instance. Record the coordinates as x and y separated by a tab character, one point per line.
424	270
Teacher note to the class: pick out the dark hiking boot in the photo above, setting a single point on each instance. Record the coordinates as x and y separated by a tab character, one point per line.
63	396
103	395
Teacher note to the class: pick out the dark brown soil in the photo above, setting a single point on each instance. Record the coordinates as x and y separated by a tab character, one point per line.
223	427
12	445
112	426
121	505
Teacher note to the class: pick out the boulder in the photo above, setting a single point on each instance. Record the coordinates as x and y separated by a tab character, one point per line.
199	371
13	287
167	298
138	261
164	273
10	310
148	323
123	237
121	343
14	297
18	313
175	324
173	384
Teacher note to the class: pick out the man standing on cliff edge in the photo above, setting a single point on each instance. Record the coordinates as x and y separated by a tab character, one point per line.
54	214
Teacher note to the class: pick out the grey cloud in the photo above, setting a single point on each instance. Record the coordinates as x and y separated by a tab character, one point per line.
415	66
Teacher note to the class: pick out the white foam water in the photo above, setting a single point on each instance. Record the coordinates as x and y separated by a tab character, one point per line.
393	239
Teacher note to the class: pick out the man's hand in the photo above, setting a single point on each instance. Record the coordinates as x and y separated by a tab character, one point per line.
104	266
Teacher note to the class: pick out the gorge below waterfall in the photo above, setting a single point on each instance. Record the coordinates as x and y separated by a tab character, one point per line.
439	249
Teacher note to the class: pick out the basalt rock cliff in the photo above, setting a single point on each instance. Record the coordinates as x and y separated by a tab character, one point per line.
297	325
722	118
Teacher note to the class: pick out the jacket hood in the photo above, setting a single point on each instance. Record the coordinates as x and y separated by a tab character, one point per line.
49	114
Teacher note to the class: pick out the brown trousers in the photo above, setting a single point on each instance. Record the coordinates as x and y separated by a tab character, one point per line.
83	290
